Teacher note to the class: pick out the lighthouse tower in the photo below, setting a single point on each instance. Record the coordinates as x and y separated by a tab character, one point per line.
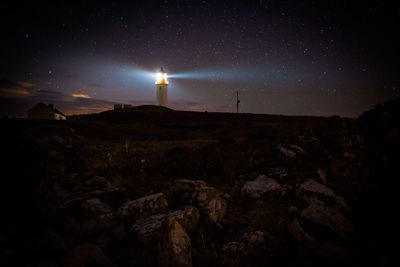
162	88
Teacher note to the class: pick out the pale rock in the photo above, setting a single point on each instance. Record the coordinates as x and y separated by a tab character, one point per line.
149	228
141	207
259	186
174	248
209	200
318	212
233	247
314	187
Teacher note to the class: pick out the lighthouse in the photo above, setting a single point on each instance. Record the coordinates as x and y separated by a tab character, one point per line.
162	88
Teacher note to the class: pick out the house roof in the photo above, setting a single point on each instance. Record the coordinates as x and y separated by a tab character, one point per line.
42	105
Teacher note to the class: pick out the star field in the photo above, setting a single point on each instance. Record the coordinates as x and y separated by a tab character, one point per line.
301	57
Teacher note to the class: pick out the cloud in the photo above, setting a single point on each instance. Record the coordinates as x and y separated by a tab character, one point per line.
81	96
17	98
9	89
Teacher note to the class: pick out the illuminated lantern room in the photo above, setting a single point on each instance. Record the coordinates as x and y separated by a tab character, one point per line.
162	77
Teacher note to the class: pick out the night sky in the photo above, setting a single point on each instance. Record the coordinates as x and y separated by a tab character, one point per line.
300	57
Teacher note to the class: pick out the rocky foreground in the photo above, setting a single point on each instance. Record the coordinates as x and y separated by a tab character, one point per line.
318	194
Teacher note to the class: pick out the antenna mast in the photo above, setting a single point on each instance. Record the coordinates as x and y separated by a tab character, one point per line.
237	101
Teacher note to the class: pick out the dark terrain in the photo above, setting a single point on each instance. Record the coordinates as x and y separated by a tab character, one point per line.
324	193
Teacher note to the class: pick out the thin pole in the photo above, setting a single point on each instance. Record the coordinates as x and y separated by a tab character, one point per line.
237	101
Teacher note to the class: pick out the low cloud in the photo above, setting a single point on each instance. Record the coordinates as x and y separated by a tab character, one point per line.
9	89
17	98
81	96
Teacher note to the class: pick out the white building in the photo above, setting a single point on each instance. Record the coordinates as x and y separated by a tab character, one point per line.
42	111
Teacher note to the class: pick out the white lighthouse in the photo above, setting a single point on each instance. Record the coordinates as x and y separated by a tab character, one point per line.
162	88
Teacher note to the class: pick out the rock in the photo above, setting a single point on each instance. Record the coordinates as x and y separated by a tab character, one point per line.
191	185
209	200
293	209
297	149
89	255
316	189
254	239
286	155
318	212
309	141
58	140
142	207
349	156
259	186
97	218
298	233
188	217
111	196
277	172
174	249
321	175
149	229
98	182
94	207
233	247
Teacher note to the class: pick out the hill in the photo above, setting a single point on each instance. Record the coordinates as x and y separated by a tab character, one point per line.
153	186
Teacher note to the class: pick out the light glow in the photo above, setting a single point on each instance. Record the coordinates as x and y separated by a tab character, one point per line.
161	78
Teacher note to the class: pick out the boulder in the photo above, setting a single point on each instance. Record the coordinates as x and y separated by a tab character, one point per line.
286	155
149	229
316	190
111	196
209	200
320	213
298	233
297	149
259	186
188	217
96	217
94	207
254	240
277	172
233	248
321	175
89	255
97	182
142	207
174	248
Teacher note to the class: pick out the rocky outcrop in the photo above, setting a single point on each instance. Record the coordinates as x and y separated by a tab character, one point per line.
96	217
286	155
142	207
233	248
174	248
254	241
209	200
259	186
312	189
323	207
148	229
320	213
